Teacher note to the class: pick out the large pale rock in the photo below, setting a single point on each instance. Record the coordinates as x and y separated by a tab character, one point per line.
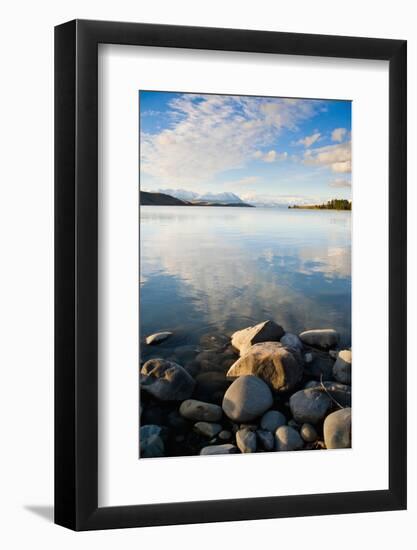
271	361
247	398
272	420
151	443
342	369
246	441
292	341
158	337
200	411
337	429
225	449
166	380
325	338
268	331
309	406
287	439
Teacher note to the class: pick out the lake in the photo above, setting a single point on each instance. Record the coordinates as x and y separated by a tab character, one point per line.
214	270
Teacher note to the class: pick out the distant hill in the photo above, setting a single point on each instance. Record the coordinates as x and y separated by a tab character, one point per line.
334	204
162	199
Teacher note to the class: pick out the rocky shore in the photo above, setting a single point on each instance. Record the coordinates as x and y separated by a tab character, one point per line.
260	390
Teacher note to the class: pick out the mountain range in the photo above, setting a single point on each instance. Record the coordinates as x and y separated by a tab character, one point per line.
163	198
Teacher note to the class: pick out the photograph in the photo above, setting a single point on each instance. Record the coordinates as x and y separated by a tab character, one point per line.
245	274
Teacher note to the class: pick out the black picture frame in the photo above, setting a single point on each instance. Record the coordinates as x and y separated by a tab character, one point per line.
76	272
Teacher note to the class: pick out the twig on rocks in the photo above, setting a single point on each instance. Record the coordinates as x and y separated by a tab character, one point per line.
331	397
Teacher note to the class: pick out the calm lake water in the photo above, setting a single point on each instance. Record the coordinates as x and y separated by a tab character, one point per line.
214	270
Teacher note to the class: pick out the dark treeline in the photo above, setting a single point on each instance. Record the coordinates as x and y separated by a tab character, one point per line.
334	204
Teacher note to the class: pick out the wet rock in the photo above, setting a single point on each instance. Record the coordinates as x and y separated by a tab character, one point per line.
208	429
225	435
337	429
225	449
246	399
272	420
166	380
292	341
272	362
214	341
308	433
199	410
320	338
266	439
288	439
157	338
151	443
309	406
267	331
342	368
246	441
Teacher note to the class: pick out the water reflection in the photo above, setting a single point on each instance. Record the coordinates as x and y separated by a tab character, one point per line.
220	269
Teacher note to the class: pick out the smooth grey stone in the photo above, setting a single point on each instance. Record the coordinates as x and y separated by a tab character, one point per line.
158	337
151	444
278	366
287	439
272	420
225	449
340	394
337	429
266	439
200	410
309	406
246	441
246	399
342	369
292	341
322	338
208	429
267	331
308	433
224	435
166	380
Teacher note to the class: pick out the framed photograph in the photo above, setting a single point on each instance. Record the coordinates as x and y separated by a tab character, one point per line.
230	245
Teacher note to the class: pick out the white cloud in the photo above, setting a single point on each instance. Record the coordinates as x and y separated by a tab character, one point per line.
209	134
277	200
339	134
270	156
335	157
249	180
308	141
340	183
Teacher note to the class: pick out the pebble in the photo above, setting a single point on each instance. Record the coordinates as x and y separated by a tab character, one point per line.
151	444
246	441
309	406
166	380
342	369
158	337
287	439
322	338
246	399
207	428
308	433
272	420
224	435
337	429
225	449
200	410
266	439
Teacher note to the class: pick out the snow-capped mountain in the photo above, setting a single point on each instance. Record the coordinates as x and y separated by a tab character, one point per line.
183	194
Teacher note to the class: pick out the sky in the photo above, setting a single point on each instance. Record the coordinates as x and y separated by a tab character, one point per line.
266	150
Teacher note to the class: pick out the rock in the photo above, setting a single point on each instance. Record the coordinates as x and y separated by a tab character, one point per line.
266	439
251	427
340	393
342	369
308	433
246	441
214	341
292	341
207	428
337	429
268	331
211	386
293	424
247	398
158	337
320	338
287	439
272	420
320	367
309	406
225	435
333	353
166	380
272	362
225	449
151	444
199	410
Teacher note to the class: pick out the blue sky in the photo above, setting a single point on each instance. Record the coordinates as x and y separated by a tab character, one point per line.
263	149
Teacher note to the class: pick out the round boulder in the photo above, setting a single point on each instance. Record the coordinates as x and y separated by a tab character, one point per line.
200	411
292	341
166	380
268	331
287	439
325	338
271	361
337	429
225	449
342	369
272	420
246	441
247	398
309	406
